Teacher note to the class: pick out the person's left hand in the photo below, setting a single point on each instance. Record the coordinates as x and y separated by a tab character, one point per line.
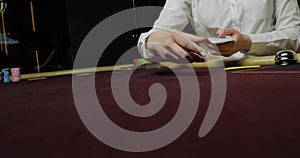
242	42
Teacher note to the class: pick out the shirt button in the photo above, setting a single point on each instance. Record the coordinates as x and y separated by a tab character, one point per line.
236	23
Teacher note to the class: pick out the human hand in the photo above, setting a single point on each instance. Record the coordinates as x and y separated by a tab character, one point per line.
242	42
176	46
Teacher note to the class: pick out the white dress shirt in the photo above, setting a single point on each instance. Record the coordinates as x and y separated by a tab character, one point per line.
271	24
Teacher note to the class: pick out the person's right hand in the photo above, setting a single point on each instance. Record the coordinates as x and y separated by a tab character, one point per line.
175	46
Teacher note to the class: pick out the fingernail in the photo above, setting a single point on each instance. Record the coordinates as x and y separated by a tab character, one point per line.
218	33
204	54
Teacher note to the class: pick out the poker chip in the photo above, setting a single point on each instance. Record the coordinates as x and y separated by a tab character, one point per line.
15	74
5	73
139	62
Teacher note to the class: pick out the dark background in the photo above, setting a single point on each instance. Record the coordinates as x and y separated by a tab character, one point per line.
50	38
85	16
61	25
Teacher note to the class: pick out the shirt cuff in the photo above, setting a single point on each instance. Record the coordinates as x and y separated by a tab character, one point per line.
144	52
259	44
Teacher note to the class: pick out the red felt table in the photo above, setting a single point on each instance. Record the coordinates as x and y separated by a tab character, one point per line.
260	117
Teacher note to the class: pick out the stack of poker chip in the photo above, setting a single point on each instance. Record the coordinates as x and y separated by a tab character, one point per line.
15	74
139	62
144	64
5	75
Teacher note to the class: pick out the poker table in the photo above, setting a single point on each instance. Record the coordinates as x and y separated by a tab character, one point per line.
259	117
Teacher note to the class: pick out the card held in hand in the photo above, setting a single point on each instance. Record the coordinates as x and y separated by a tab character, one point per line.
220	40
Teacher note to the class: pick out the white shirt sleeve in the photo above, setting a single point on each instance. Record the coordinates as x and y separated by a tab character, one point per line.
286	34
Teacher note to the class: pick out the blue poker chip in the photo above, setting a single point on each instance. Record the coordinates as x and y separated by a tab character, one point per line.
5	73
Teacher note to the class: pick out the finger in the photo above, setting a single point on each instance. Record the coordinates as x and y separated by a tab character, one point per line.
197	42
188	45
168	54
180	51
197	57
178	54
170	51
210	45
193	38
188	41
163	52
226	32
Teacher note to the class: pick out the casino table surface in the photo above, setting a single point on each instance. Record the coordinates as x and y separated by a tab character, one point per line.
260	115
